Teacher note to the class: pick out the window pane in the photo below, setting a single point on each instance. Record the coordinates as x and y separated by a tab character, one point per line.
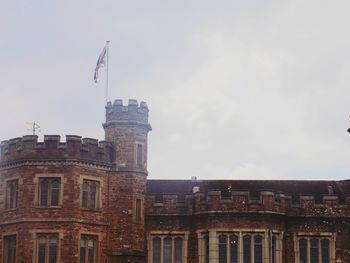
85	194
82	250
246	249
41	252
11	194
273	249
314	250
10	249
43	192
258	249
222	249
178	250
167	250
325	250
233	249
55	192
53	252
303	250
206	247
156	250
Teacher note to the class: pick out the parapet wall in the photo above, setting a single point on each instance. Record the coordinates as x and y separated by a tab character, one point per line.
241	202
132	112
28	147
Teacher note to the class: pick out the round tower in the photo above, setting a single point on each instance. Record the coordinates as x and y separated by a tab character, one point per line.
126	128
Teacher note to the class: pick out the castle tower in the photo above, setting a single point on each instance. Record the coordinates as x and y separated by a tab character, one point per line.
126	127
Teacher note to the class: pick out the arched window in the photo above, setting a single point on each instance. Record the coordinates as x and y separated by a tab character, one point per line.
325	250
314	250
156	247
178	250
222	249
90	194
55	192
303	250
273	249
11	194
88	249
233	249
167	250
258	257
44	185
49	191
246	249
47	248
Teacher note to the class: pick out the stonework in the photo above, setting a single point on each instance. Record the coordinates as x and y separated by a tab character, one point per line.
85	200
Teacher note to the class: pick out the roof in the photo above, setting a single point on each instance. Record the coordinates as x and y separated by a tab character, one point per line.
293	188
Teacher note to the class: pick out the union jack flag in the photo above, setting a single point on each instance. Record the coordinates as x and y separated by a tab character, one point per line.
101	62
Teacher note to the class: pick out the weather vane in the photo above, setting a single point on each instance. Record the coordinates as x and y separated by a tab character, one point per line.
32	126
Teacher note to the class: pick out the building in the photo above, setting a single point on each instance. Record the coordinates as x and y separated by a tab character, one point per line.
87	201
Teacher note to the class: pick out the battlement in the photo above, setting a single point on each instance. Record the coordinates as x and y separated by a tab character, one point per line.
75	147
244	202
132	113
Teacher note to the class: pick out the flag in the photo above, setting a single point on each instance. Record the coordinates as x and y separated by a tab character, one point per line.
101	62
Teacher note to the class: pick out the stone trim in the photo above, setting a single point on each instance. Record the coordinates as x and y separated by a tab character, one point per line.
99	198
98	238
53	220
162	234
3	193
240	232
36	232
11	233
78	163
318	235
36	181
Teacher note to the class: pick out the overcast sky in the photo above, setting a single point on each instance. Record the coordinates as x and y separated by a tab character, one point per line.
236	89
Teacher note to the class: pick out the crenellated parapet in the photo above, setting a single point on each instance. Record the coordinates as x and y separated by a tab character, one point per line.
243	202
75	147
133	113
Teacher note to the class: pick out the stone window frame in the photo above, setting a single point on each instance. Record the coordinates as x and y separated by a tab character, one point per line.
98	240
213	239
37	179
19	183
318	235
163	234
8	234
36	232
82	178
143	164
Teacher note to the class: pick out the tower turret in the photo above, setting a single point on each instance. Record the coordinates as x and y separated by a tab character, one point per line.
126	127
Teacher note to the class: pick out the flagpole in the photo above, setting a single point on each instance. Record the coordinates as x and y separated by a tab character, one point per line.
107	64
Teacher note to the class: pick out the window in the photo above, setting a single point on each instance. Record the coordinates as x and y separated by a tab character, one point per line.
10	249
241	247
314	250
139	161
88	249
49	191
11	194
138	210
90	194
47	248
167	249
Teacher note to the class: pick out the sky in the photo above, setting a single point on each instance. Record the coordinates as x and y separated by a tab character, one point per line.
236	89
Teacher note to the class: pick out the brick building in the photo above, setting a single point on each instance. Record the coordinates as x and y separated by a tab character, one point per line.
88	201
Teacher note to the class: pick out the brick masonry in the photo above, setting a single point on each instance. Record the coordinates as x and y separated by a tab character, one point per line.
294	208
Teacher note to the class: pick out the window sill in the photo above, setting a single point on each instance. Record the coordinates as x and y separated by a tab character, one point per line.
91	210
10	209
48	207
